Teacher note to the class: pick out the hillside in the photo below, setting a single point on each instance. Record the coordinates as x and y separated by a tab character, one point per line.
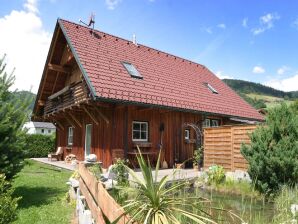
26	95
260	96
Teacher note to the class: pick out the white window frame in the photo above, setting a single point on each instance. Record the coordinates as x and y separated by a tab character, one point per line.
70	136
186	134
217	123
206	124
147	132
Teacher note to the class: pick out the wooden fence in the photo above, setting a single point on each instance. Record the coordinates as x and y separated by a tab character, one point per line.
98	199
222	146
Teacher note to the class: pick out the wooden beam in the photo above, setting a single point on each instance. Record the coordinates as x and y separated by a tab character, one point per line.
125	131
59	124
102	115
41	102
75	119
59	68
70	122
144	109
54	86
91	115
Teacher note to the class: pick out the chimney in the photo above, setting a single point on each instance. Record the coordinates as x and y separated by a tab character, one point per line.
134	39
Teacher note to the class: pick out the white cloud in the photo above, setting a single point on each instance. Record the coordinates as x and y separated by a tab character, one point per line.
282	70
26	44
258	70
295	23
244	22
112	4
221	25
266	23
287	84
220	75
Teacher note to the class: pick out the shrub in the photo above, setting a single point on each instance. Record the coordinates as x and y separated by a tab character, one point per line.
37	145
8	205
119	168
216	174
272	153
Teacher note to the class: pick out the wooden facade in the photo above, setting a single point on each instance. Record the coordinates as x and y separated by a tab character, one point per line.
222	146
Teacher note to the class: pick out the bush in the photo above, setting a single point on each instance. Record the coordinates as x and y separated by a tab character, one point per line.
272	153
216	174
8	205
37	145
119	168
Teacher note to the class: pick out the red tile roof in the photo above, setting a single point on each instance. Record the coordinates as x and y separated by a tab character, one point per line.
168	80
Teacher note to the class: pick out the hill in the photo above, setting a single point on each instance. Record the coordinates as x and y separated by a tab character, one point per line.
260	96
26	95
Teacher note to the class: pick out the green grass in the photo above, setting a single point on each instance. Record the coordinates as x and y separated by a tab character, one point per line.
270	101
43	189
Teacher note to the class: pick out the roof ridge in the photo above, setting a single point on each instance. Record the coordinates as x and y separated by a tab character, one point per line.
145	46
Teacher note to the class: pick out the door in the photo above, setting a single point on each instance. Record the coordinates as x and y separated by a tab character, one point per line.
88	139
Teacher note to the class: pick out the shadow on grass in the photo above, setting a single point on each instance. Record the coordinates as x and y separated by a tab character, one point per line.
37	196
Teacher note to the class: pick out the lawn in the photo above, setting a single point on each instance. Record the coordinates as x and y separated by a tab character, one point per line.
43	189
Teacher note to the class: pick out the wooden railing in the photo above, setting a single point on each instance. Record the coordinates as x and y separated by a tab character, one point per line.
222	146
99	201
74	94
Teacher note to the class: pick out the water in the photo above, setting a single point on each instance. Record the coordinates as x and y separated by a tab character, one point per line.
248	209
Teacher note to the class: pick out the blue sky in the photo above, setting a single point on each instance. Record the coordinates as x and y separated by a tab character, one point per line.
251	40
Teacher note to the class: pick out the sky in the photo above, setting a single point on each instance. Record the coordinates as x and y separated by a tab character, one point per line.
254	40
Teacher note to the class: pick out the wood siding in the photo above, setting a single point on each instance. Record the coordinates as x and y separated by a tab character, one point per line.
222	146
117	133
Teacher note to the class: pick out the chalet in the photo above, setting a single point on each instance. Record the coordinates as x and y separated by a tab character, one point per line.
106	95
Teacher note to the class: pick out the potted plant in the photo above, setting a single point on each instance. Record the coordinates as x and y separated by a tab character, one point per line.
197	156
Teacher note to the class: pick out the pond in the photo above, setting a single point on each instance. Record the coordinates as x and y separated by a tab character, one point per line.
251	210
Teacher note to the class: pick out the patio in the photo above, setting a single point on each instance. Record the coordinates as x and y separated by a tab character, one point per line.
180	174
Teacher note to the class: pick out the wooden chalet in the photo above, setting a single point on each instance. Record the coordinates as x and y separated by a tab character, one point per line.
106	95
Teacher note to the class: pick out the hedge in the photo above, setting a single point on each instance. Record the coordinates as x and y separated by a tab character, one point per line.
37	145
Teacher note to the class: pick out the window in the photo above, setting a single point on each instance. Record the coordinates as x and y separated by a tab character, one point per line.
211	88
214	123
187	134
70	136
206	123
49	131
132	70
42	130
210	123
139	131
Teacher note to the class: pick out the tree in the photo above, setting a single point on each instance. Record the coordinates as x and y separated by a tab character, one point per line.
273	152
12	117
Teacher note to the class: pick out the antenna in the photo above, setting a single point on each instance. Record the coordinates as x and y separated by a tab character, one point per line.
90	23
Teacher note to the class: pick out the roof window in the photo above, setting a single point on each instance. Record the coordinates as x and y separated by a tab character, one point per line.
211	88
132	70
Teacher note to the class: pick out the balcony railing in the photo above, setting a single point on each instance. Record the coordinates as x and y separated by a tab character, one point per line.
68	96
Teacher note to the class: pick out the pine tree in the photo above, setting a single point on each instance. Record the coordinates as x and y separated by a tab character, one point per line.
12	117
273	152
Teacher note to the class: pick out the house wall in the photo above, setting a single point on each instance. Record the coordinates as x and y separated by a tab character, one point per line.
117	134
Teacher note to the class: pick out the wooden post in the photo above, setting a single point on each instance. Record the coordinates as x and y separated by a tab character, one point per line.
91	115
102	115
75	119
125	131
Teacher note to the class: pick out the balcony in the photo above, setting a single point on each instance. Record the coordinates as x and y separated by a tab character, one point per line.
66	97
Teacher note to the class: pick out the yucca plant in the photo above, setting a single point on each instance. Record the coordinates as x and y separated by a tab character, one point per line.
159	202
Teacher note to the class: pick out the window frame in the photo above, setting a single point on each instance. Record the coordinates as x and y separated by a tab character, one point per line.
70	143
212	120
204	123
186	134
126	64
140	131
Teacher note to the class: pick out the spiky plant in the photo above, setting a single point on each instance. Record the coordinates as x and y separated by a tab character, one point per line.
159	202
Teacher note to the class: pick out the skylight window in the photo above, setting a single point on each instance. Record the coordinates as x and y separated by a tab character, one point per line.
211	88
132	70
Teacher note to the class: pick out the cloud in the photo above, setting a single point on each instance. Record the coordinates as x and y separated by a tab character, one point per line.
207	29
258	70
295	23
287	84
26	44
282	70
112	4
221	26
220	75
244	22
266	23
